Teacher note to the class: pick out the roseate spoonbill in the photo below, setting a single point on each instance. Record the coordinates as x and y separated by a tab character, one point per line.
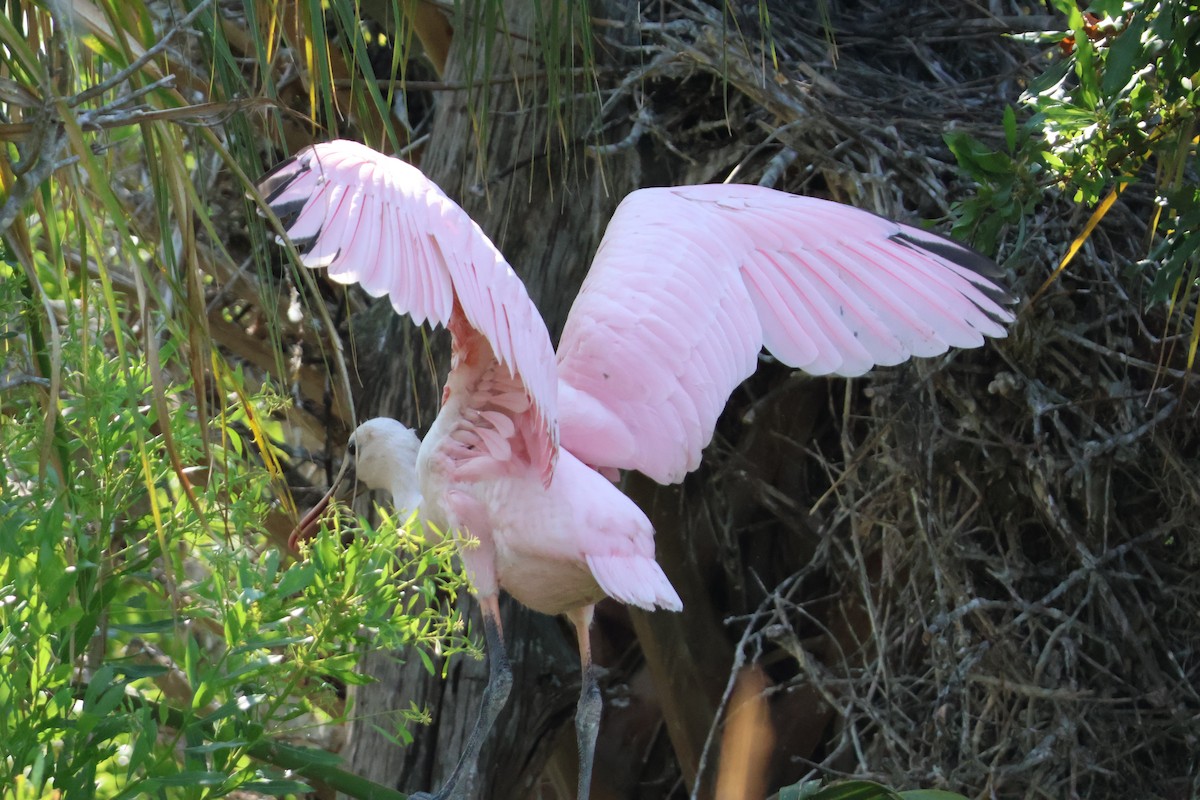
688	285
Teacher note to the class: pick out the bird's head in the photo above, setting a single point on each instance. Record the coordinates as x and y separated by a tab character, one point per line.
384	453
380	454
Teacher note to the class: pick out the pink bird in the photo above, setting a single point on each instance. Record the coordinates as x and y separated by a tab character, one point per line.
688	285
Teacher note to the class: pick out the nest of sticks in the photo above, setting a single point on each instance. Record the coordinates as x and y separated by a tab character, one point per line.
1009	534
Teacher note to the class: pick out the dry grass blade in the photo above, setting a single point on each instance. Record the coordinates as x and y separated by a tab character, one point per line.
1105	206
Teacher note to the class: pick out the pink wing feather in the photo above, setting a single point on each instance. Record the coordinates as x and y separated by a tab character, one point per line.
690	282
377	221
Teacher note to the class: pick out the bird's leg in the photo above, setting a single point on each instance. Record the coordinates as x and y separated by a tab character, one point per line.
495	694
587	713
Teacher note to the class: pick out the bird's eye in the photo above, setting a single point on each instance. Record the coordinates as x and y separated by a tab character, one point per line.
351	448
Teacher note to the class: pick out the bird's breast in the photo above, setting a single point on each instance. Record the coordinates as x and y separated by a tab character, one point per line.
546	584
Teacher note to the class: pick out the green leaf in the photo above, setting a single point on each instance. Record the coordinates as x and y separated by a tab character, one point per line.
426	661
276	787
266	643
134	671
1049	79
107	701
297	578
235	705
101	681
1084	58
856	790
192	778
1122	58
344	668
841	790
976	158
213	747
204	693
154	626
799	791
295	756
143	741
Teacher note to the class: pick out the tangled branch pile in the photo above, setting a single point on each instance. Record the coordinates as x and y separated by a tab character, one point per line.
997	593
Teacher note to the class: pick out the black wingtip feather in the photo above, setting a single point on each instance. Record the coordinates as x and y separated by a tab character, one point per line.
279	178
289	212
305	245
964	256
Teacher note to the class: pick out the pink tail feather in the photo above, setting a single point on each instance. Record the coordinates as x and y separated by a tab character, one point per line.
636	580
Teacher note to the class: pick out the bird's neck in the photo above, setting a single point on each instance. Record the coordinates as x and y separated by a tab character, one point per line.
406	498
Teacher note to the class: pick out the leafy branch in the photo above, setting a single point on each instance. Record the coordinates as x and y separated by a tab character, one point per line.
1116	107
308	762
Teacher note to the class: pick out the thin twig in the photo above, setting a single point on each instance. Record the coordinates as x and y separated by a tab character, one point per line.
139	62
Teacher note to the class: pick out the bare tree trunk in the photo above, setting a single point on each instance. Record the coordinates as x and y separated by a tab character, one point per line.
546	213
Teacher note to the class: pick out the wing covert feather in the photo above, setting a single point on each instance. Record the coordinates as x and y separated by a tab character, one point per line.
689	283
379	222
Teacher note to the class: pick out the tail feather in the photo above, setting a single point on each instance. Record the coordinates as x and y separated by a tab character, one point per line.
636	580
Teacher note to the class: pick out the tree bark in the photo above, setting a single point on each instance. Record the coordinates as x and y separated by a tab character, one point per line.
545	208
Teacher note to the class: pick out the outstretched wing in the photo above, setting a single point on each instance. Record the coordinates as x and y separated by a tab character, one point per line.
379	222
690	282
